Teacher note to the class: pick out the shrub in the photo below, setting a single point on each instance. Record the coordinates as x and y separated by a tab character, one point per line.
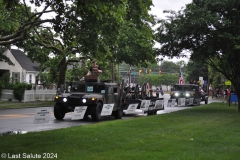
18	90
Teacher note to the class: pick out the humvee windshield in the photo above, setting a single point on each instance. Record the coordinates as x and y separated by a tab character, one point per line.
185	88
88	88
78	88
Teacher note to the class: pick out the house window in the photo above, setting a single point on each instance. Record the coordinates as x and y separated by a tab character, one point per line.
16	76
30	79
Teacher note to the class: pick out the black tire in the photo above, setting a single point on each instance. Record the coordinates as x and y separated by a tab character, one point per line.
206	101
150	113
96	114
118	113
59	112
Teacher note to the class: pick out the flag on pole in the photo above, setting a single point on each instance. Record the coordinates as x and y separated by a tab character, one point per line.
181	80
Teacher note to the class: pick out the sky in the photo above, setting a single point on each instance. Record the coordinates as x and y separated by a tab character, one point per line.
160	6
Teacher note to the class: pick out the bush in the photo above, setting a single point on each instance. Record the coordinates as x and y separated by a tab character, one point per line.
18	90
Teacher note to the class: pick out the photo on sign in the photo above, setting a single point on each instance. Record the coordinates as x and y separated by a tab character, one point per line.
107	109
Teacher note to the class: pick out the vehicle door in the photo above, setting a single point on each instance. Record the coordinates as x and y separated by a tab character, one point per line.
110	97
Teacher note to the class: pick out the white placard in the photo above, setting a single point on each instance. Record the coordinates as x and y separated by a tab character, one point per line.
181	101
131	108
79	112
107	109
171	102
190	101
42	116
144	105
159	104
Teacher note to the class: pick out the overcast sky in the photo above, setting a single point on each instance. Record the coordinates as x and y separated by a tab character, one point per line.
161	5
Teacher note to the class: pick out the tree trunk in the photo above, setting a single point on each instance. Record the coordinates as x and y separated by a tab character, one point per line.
62	72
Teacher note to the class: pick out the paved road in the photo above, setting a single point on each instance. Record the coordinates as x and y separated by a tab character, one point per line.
22	119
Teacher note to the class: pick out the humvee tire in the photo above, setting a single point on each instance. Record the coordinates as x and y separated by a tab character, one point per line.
59	112
118	113
96	113
206	101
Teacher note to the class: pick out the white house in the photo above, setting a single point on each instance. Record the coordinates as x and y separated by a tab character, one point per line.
23	70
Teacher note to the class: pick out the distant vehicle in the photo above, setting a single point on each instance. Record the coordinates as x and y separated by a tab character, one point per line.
188	94
92	94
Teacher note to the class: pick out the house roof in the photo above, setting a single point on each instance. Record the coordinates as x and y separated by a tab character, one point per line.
24	61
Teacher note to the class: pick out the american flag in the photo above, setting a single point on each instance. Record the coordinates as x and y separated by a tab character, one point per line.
181	80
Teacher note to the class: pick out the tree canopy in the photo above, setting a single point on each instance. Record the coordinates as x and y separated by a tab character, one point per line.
208	29
107	30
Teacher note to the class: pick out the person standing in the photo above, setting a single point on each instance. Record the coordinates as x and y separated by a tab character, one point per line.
228	95
95	70
161	91
157	92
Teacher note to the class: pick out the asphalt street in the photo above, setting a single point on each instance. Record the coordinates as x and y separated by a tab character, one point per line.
23	119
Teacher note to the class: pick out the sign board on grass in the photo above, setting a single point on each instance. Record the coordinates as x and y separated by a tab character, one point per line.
42	116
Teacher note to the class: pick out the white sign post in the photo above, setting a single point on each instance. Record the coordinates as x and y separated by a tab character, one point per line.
107	109
79	112
42	116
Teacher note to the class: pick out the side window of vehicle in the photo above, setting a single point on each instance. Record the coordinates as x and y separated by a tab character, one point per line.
115	90
110	90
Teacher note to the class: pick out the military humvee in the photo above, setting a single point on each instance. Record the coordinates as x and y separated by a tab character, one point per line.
187	94
92	94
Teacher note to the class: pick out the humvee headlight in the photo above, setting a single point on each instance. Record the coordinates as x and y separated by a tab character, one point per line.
84	100
187	94
176	94
56	97
93	99
64	99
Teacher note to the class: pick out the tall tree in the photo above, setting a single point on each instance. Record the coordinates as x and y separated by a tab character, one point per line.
208	29
17	19
196	69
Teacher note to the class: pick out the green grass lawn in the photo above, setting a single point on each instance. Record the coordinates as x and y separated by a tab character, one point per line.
207	132
16	104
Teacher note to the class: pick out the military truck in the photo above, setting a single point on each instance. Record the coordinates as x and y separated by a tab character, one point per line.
188	94
90	93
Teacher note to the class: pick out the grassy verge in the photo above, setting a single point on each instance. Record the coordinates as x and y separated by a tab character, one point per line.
205	132
10	104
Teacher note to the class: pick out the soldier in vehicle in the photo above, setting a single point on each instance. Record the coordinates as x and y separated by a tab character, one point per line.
95	70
